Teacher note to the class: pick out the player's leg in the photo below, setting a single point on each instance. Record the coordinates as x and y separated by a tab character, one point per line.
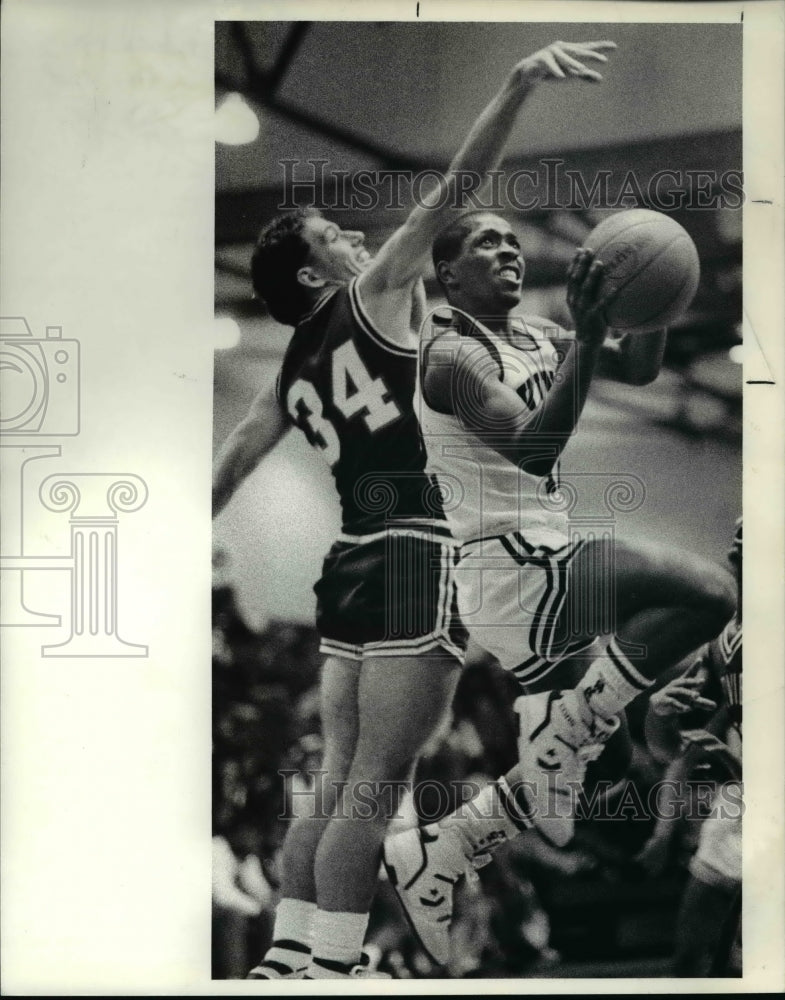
557	741
707	920
401	700
667	603
290	951
661	604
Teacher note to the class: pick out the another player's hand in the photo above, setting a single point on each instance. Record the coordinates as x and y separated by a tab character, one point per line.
711	746
584	281
681	695
562	60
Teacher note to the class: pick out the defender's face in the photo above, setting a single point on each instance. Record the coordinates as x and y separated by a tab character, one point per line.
336	254
489	269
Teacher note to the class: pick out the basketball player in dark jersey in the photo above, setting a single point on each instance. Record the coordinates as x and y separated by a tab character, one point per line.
498	401
696	718
386	596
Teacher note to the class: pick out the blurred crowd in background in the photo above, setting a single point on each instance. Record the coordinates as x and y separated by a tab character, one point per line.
606	906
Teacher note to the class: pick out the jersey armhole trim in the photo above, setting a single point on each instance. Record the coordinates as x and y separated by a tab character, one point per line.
482	338
533	343
366	325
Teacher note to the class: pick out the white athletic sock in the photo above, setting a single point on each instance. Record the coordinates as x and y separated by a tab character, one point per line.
294	921
611	682
476	826
337	940
292	935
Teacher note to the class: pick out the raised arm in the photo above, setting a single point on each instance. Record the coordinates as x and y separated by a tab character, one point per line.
262	428
404	257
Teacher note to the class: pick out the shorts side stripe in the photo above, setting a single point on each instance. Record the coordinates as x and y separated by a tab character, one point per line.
522	560
333	647
549	619
554	611
438	533
530	667
399	647
393	647
546	550
443	611
540	618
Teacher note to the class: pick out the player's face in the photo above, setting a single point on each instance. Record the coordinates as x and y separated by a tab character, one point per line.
488	272
336	254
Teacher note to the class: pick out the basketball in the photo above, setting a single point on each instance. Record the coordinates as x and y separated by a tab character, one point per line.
654	264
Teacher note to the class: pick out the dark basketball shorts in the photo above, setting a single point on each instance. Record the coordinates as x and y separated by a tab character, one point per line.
391	593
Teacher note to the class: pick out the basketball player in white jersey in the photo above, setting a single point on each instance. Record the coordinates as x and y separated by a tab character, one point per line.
499	397
347	382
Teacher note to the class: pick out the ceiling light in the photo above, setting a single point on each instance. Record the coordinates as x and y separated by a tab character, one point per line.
226	333
235	121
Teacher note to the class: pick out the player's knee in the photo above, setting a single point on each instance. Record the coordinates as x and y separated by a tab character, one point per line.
377	794
391	764
337	762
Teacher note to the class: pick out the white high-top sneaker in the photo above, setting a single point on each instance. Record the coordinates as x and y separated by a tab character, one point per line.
555	745
417	865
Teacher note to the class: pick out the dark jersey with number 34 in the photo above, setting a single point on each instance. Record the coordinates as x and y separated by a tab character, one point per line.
349	389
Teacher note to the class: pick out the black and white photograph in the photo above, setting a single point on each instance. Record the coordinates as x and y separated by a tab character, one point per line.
478	633
388	390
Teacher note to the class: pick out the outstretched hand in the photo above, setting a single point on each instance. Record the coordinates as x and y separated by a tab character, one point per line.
681	695
561	60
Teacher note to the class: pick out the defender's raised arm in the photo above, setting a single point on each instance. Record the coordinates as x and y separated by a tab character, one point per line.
405	255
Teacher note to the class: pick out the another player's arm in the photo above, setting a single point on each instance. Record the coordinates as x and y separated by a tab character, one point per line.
670	703
634	358
404	257
262	428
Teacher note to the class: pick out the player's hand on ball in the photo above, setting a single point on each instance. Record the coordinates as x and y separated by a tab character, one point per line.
587	306
681	695
561	60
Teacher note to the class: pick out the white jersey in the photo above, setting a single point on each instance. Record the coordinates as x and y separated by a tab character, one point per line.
484	493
